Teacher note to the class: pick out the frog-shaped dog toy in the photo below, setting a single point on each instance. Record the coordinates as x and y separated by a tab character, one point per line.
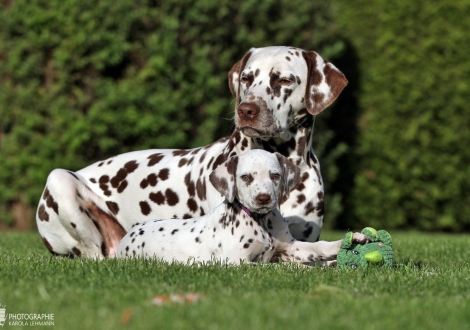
378	252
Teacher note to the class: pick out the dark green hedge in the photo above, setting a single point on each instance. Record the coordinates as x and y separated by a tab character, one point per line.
81	80
413	156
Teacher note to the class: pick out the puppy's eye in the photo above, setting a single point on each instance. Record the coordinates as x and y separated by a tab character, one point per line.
245	177
284	82
275	176
244	79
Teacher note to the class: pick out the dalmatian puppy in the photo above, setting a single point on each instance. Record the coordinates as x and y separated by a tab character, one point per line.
246	226
278	92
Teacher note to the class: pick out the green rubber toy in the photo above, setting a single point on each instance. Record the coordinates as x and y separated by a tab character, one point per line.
378	252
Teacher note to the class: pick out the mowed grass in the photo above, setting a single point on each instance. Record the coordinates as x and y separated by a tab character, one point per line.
428	289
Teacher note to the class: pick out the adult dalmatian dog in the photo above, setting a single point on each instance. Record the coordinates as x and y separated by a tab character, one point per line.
245	227
278	92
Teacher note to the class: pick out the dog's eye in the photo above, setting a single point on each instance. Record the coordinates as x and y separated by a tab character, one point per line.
245	177
284	81
244	79
275	176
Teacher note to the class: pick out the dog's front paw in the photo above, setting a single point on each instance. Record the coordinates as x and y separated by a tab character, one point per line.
360	238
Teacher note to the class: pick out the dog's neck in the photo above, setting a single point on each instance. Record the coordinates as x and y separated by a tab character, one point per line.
254	215
294	144
234	209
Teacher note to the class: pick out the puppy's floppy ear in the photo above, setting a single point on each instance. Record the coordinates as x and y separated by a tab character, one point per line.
324	83
290	176
223	178
234	77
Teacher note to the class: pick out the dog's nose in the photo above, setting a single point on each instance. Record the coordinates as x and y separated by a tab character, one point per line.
263	199
248	111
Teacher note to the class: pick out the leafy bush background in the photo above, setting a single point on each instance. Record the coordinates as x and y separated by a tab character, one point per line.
83	80
413	148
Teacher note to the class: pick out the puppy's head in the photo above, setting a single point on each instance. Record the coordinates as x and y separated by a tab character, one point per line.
258	179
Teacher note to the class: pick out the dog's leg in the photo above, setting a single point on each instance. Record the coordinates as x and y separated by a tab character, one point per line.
297	251
67	223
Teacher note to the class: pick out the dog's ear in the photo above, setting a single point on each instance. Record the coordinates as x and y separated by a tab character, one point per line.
234	77
223	178
324	83
290	176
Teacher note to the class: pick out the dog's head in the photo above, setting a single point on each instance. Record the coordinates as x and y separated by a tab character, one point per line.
275	86
257	178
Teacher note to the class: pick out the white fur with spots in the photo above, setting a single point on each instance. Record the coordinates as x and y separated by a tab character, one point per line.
278	90
228	233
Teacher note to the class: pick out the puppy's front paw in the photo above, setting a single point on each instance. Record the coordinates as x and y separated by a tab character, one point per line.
360	238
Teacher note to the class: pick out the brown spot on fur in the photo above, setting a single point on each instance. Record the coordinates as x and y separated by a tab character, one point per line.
154	159
182	162
301	145
192	205
287	93
76	251
202	157
171	197
275	87
305	176
50	202
104	179
301	198
157	198
320	208
318	174
309	208
300	186
201	189
42	213
152	179
131	166
181	152
190	184
220	159
47	244
113	207
145	208
122	186
164	174
245	142
120	176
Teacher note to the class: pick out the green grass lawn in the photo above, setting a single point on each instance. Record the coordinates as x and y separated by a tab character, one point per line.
429	289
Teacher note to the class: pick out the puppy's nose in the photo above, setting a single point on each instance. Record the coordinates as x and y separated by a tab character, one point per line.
263	199
247	111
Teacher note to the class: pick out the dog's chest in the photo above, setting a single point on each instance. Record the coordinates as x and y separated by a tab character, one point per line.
250	236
